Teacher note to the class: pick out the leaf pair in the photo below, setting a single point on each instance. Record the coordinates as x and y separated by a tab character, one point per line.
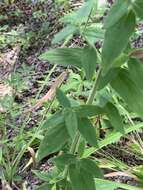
63	125
85	58
109	110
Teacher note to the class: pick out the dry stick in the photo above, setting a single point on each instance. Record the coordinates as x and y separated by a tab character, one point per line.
51	93
115	174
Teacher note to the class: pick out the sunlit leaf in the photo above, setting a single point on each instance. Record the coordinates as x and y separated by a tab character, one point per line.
64	56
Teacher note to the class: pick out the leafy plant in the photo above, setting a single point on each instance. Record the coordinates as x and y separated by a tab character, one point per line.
119	73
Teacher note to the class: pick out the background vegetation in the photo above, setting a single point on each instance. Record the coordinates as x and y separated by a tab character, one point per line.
71	95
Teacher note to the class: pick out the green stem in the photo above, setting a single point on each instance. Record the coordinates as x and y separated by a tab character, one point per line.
90	100
93	92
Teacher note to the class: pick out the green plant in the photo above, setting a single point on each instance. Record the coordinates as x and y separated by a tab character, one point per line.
119	73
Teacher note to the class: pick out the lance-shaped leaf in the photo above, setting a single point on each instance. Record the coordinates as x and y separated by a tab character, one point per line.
138	8
44	187
89	61
71	121
87	131
119	8
81	179
88	110
53	141
136	71
64	33
54	120
114	116
64	159
84	11
64	56
107	78
93	34
116	40
125	86
64	101
91	167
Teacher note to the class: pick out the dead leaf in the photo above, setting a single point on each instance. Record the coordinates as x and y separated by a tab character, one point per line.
4	90
5	185
115	174
51	93
8	61
137	53
33	156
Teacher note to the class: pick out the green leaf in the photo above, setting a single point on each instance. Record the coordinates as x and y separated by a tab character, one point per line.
64	185
64	33
107	78
88	110
81	15
64	101
71	121
112	138
102	184
114	117
81	147
44	176
119	9
64	159
138	8
125	86
64	56
84	11
80	179
102	97
89	61
116	40
54	120
91	167
93	34
136	71
44	187
53	141
87	131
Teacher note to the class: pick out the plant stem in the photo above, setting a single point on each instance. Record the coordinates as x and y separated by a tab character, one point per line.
93	92
90	100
